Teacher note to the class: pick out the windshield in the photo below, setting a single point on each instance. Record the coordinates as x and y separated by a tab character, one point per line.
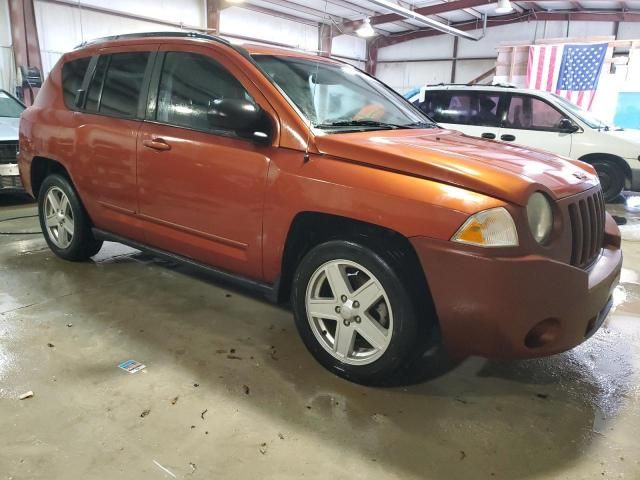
9	107
586	117
336	97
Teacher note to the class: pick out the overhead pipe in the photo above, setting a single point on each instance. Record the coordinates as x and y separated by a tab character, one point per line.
411	15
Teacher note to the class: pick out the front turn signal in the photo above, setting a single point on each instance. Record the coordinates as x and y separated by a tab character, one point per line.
490	228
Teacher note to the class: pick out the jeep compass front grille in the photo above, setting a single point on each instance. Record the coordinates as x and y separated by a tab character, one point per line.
8	151
587	216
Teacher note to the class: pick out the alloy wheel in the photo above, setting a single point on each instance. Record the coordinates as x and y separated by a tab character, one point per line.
59	219
349	312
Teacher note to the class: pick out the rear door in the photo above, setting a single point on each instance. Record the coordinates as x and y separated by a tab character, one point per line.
470	112
109	119
533	122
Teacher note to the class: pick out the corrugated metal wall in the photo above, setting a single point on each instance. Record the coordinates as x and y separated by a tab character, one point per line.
7	64
404	76
62	27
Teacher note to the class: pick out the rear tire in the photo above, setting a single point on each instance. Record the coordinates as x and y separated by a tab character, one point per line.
366	325
611	178
64	221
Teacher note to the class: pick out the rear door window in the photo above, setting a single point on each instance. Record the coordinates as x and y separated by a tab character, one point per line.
73	73
117	83
531	113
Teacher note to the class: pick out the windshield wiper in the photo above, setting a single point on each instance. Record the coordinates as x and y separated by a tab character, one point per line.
370	123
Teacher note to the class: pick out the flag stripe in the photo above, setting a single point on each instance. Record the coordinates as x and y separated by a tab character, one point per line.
572	71
552	65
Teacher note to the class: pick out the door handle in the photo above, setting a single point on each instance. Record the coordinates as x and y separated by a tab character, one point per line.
508	138
489	135
157	144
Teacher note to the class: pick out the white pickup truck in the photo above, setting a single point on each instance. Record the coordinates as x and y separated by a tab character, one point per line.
10	110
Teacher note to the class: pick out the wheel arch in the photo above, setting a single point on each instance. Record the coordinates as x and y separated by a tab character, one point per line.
615	159
41	168
309	229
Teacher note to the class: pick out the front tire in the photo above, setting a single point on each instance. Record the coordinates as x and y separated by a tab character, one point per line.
611	178
64	222
354	313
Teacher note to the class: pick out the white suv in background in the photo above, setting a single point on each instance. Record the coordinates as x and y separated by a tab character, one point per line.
541	120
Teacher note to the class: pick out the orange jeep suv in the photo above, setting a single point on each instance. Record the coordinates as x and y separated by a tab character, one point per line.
307	180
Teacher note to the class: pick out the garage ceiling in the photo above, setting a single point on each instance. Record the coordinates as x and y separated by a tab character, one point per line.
347	15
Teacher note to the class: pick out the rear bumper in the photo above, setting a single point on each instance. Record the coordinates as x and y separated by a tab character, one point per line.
517	307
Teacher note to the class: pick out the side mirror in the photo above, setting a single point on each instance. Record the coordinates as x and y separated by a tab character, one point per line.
241	116
568	126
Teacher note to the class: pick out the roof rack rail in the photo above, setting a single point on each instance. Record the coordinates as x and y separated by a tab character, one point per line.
203	36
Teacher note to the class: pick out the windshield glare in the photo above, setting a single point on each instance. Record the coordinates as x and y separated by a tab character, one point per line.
583	115
9	107
329	94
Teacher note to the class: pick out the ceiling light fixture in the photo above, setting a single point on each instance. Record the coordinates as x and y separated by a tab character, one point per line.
235	2
504	6
365	30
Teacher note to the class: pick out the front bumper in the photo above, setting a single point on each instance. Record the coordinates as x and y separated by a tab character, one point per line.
495	306
10	177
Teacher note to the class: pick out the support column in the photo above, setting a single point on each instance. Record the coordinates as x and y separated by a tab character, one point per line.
325	39
454	62
213	16
372	57
24	36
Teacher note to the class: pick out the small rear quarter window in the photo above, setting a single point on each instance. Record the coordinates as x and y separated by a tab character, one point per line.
73	73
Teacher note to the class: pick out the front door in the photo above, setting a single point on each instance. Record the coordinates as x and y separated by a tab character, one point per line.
532	122
200	188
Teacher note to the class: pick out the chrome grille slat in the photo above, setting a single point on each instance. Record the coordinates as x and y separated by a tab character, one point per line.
587	217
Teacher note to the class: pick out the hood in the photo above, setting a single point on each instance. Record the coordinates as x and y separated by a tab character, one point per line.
497	169
9	128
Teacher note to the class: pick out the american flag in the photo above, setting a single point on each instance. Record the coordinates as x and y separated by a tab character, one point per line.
572	71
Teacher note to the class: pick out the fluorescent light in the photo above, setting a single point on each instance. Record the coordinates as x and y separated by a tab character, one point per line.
504	6
365	30
235	1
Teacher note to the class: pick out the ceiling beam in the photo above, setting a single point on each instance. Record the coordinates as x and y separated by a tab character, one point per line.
430	10
436	9
516	18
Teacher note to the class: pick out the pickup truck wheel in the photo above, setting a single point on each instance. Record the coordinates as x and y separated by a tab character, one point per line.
64	222
611	178
353	312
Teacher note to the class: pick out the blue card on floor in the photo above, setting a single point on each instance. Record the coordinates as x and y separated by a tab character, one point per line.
131	366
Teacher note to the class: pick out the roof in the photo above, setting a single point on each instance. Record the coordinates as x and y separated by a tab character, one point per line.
486	88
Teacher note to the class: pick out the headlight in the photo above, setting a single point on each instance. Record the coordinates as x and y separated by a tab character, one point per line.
490	228
540	217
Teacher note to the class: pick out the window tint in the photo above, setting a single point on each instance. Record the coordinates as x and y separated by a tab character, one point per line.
72	76
122	84
189	85
469	108
531	113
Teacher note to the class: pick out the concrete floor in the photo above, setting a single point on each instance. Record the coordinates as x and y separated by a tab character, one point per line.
265	409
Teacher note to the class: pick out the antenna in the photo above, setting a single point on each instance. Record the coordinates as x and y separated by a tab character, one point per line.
315	87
